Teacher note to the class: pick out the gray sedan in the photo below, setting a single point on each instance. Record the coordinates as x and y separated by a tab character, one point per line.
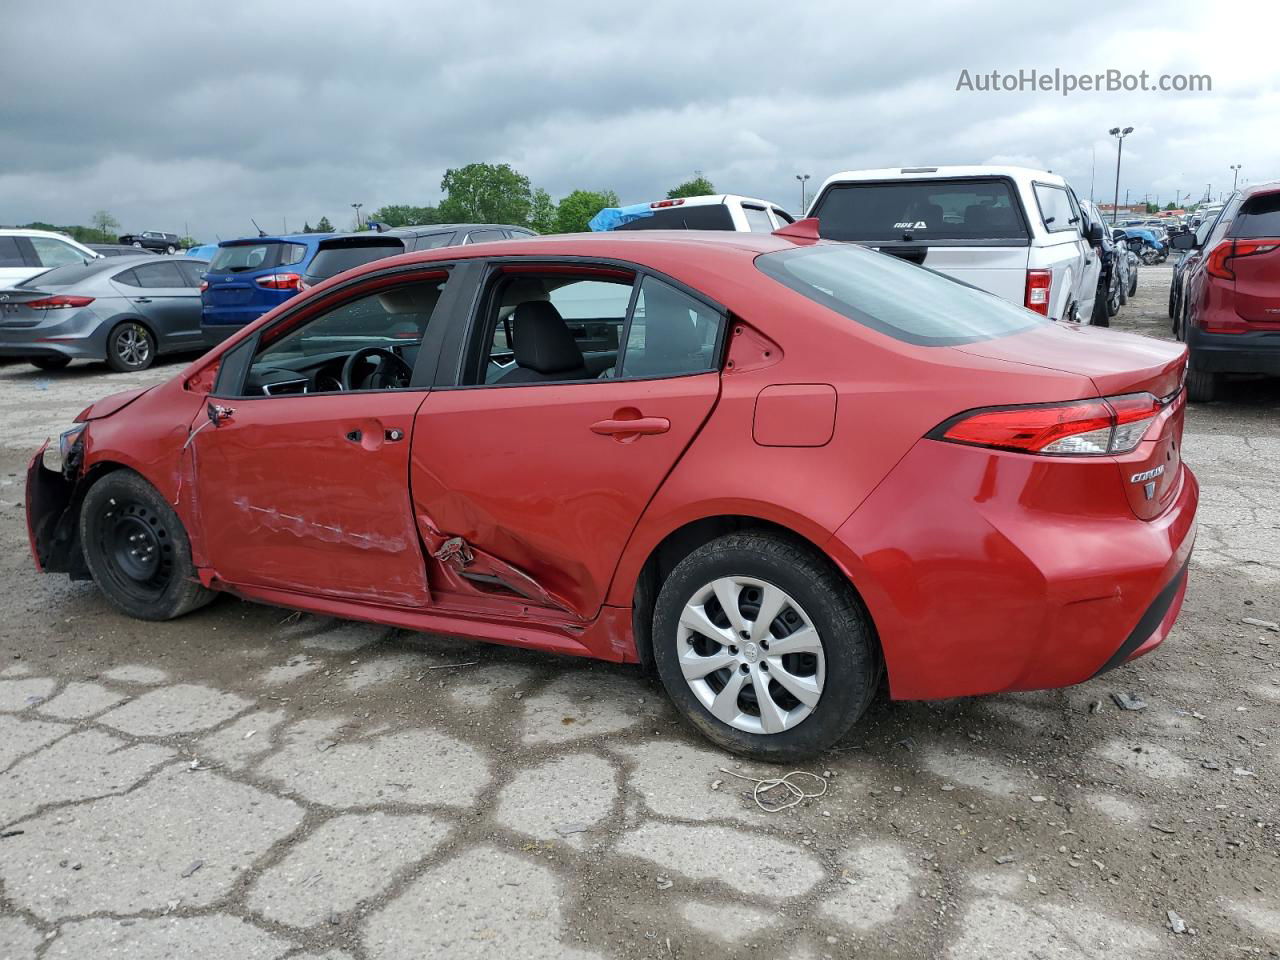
125	310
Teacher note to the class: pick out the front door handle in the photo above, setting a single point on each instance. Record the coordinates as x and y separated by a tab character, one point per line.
141	299
630	429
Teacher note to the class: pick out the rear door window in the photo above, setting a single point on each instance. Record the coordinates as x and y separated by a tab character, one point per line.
242	257
1056	210
484	236
1258	217
11	253
921	210
162	276
670	333
896	298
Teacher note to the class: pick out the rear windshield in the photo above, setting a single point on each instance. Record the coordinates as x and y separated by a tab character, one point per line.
707	216
920	210
897	298
1258	217
256	256
65	275
331	261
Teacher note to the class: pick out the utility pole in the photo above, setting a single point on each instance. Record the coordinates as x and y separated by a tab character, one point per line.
1119	135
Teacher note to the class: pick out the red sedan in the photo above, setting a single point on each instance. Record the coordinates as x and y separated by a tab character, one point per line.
771	467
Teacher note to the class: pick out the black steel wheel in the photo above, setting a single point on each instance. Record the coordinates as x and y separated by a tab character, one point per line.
137	549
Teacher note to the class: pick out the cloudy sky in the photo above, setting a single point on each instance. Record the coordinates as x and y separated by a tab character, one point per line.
200	116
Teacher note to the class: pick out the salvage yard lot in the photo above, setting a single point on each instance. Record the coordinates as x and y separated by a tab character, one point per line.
248	783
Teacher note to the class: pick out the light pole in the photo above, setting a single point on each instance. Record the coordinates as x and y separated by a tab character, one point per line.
802	177
1119	135
1235	173
356	207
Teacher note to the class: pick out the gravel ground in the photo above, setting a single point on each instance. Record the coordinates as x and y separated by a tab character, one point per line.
247	783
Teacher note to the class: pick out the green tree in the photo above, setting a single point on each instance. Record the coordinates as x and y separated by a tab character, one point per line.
542	212
485	193
699	186
323	226
306	227
404	215
108	227
1170	206
580	206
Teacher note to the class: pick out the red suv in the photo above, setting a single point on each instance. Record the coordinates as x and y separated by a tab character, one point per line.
1231	319
774	468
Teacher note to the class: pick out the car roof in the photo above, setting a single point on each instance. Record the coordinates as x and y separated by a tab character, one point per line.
24	232
278	238
428	228
1254	189
1018	174
711	199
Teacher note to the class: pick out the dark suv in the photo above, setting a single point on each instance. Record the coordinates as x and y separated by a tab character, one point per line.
152	240
346	250
1231	292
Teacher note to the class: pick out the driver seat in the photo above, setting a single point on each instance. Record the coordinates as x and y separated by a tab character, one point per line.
544	346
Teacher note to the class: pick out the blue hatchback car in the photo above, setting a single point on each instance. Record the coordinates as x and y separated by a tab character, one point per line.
246	278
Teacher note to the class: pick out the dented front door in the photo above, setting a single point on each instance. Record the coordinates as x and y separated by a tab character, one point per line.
309	493
549	480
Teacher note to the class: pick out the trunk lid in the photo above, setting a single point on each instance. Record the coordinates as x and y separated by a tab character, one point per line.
1117	363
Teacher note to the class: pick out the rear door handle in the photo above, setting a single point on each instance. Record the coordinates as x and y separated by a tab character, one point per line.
640	427
141	299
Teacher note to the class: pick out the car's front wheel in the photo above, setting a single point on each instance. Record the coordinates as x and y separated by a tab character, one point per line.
170	249
130	346
137	549
764	647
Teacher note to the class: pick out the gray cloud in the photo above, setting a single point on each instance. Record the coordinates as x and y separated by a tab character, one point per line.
205	116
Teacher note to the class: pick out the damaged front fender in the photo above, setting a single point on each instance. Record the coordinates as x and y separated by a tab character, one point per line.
52	525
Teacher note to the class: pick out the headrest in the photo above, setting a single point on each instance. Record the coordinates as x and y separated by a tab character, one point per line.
542	340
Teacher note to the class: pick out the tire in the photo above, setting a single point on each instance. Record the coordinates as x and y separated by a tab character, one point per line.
169	250
130	347
50	363
760	566
1113	299
1099	317
1202	385
1173	303
1124	292
138	244
1133	281
137	550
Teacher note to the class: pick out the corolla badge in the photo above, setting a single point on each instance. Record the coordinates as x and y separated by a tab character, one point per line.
1147	474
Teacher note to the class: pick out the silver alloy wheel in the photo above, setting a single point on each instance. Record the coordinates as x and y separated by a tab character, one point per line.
133	346
751	655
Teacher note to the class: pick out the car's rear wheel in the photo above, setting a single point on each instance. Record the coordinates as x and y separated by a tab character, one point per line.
169	249
764	647
130	346
1133	281
50	363
137	549
138	244
1202	385
1100	316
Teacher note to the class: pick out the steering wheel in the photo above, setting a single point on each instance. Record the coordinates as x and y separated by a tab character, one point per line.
390	370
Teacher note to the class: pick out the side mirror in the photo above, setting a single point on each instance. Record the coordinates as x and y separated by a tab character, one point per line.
1183	241
1119	235
1094	233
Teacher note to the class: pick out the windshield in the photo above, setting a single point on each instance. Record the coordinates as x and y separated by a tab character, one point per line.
894	297
920	210
237	258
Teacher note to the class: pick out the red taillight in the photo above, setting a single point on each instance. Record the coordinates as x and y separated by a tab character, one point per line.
58	303
666	203
1038	284
1083	428
1217	264
204	285
280	281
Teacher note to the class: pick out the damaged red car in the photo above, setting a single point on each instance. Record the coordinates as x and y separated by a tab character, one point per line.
775	469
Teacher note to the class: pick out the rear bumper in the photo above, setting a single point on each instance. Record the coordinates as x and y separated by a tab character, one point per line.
82	335
1011	575
1257	352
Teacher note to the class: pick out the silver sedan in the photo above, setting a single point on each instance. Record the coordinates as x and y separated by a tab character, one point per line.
124	310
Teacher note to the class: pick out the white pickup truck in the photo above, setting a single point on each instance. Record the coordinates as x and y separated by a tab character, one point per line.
1015	232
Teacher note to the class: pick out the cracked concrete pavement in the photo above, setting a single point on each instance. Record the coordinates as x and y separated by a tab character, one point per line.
248	783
